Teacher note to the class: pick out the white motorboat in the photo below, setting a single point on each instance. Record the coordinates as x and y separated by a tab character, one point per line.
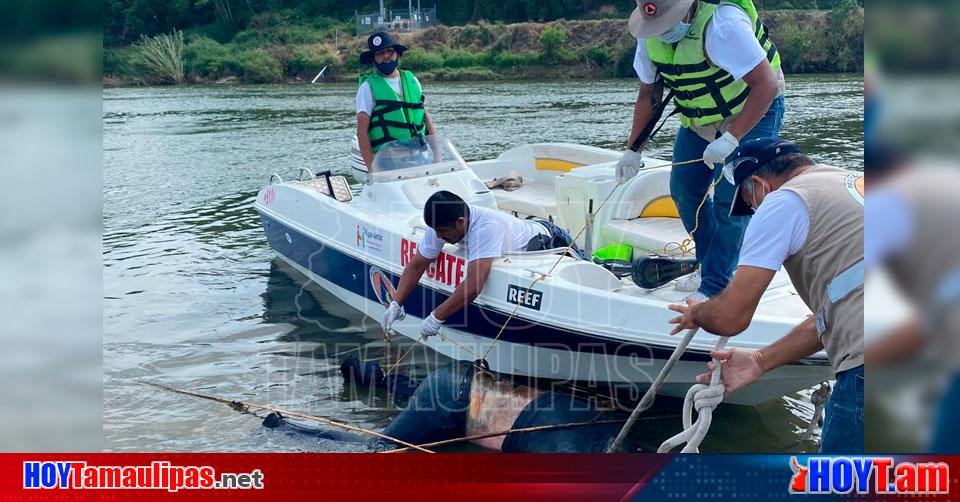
578	322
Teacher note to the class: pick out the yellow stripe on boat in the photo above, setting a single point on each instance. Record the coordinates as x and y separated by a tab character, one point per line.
555	165
661	207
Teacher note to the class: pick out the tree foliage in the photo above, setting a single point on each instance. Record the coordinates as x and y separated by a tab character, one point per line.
125	21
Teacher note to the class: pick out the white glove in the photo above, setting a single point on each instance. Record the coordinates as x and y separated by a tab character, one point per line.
721	148
393	313
629	165
430	326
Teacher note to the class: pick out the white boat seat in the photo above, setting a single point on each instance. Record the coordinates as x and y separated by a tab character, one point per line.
341	188
531	199
648	234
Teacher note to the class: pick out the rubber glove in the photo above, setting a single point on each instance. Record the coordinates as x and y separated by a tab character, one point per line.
629	165
393	313
721	148
430	326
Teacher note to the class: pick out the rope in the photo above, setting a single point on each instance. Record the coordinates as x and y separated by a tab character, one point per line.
244	406
647	401
684	248
704	398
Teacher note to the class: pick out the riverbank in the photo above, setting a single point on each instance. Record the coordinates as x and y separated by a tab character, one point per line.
810	41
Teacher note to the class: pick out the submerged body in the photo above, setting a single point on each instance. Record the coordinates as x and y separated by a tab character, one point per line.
460	400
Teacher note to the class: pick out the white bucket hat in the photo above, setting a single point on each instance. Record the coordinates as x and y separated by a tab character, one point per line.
654	17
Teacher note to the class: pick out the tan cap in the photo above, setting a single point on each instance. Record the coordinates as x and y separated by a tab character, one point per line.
652	18
509	181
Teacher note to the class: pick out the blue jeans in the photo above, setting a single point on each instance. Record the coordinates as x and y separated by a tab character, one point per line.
843	421
946	433
718	236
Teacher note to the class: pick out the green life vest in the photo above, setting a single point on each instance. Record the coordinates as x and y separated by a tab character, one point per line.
705	93
394	117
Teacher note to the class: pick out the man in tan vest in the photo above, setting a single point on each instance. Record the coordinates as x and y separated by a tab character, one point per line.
808	218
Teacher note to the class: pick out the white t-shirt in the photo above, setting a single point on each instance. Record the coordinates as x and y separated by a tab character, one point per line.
730	42
365	99
490	234
776	232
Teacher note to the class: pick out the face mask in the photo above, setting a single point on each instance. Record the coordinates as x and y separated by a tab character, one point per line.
676	34
389	67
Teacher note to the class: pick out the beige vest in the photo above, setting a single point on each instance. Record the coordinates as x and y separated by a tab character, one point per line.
834	245
925	269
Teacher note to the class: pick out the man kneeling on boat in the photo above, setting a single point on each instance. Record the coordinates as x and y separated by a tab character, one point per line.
486	234
808	218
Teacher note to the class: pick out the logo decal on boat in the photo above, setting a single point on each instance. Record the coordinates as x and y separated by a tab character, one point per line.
446	269
269	195
382	286
521	296
371	240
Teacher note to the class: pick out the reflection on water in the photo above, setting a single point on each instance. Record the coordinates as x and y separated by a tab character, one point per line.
195	299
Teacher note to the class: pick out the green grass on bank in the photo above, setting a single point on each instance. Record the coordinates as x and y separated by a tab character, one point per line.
272	51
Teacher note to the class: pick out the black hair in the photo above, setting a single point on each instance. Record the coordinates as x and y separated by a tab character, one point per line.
443	209
783	165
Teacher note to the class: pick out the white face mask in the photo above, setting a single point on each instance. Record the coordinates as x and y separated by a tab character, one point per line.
676	34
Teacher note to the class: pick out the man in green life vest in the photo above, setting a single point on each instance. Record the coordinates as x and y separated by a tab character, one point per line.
725	78
389	101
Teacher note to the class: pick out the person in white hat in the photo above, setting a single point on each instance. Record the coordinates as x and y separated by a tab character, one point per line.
724	76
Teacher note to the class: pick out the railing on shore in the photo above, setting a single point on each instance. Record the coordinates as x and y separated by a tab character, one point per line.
394	20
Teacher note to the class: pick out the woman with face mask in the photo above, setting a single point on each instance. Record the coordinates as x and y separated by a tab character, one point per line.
390	100
724	72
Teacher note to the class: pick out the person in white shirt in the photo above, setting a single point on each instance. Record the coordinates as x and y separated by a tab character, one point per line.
485	233
809	219
724	74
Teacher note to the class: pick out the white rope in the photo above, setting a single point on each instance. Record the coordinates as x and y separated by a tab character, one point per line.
704	398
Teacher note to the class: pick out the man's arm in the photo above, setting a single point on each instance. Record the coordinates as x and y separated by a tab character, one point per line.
741	367
763	90
363	137
648	99
467	291
411	276
730	313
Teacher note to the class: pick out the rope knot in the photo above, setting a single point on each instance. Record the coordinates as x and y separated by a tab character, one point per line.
707	396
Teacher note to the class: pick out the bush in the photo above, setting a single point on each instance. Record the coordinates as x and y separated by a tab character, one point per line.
419	60
208	58
600	55
553	38
297	35
461	58
258	66
509	60
120	61
162	57
309	59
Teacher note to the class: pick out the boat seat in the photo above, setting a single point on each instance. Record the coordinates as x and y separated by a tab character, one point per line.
531	199
650	234
341	187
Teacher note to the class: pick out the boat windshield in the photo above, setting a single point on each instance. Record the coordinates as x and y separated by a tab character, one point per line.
414	158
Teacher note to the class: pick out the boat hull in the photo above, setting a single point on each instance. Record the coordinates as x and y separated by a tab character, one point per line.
525	347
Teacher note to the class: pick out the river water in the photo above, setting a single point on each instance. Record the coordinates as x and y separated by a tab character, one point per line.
195	299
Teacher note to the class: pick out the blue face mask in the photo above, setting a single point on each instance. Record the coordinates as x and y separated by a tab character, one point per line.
676	34
389	67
